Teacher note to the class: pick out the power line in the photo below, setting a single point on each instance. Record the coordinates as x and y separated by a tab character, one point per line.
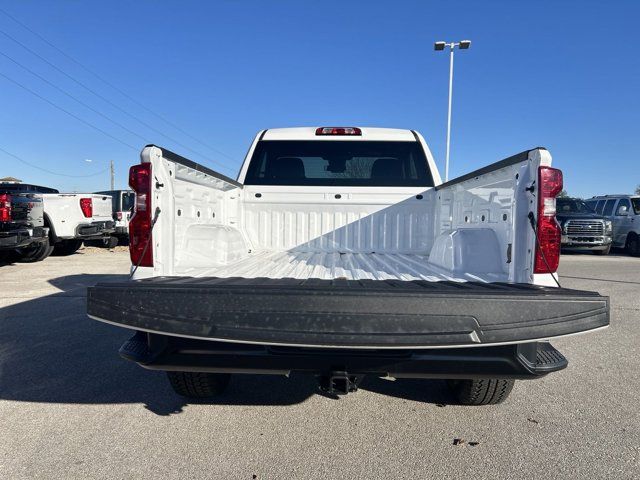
68	112
37	167
104	99
121	92
74	98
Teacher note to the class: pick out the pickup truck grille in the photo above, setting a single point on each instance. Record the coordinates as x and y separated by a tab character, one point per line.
585	227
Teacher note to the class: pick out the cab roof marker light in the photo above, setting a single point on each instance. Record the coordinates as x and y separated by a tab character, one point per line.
338	131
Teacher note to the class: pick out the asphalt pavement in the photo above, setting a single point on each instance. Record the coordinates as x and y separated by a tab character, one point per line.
71	408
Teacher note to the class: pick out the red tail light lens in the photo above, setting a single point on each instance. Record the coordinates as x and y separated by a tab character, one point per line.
118	215
140	224
5	207
86	205
338	131
549	233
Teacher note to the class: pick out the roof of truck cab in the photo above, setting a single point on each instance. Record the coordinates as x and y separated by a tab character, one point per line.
26	188
368	133
613	196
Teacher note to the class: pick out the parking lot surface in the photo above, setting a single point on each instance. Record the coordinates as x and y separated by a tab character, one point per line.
71	408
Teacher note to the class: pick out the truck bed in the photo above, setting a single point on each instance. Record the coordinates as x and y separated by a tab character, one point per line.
304	265
343	313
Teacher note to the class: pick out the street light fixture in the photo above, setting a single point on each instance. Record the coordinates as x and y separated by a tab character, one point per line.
438	46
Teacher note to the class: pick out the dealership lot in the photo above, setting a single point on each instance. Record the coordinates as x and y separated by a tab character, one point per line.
70	407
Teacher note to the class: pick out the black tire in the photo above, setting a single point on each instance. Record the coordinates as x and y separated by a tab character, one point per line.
111	242
66	247
483	391
36	253
633	245
603	252
198	384
8	256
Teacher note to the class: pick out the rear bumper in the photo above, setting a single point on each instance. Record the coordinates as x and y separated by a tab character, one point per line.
22	237
158	352
347	314
95	230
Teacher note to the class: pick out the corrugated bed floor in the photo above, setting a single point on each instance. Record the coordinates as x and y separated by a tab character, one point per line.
349	266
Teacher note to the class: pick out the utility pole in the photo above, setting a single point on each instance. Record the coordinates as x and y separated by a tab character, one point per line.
113	176
463	45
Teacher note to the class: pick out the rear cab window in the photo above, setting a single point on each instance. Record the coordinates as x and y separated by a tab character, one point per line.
636	205
339	163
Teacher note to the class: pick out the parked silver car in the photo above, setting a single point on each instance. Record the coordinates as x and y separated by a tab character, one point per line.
624	212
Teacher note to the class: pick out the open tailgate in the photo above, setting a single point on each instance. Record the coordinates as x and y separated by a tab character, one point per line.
347	313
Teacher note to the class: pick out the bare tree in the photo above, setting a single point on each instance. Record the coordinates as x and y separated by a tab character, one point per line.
638	190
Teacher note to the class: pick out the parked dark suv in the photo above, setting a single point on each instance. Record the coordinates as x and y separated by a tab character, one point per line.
582	227
624	213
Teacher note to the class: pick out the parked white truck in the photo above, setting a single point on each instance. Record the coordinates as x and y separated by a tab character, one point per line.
69	218
75	217
339	252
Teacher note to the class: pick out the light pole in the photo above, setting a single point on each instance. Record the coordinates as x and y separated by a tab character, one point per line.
463	45
112	172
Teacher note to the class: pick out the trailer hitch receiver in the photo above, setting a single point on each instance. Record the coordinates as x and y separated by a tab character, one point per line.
339	382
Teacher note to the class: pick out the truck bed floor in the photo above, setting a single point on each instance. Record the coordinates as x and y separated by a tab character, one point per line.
328	265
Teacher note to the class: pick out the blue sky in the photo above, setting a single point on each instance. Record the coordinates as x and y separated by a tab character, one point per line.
564	75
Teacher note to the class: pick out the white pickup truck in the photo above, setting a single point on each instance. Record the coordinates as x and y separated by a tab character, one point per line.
339	252
70	218
75	217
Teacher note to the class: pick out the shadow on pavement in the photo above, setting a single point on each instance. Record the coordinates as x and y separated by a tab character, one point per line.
50	351
415	389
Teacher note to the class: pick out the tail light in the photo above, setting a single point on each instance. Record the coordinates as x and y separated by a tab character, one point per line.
86	205
549	233
118	215
140	240
5	207
338	131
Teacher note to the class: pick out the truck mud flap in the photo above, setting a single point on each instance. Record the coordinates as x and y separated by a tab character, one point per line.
347	313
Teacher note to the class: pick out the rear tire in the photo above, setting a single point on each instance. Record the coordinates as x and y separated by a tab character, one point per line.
198	384
603	252
67	247
8	256
633	245
111	242
35	253
482	391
